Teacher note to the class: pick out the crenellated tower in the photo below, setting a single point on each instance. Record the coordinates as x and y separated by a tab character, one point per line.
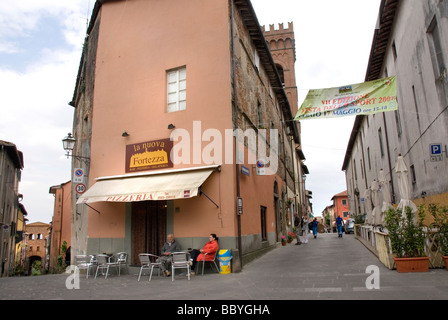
282	45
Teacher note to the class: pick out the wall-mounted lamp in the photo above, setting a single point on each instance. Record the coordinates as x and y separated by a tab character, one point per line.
69	144
125	134
171	126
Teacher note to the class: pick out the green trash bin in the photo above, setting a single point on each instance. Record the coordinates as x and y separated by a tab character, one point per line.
224	257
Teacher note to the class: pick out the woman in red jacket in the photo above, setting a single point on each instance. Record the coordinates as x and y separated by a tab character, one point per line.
211	247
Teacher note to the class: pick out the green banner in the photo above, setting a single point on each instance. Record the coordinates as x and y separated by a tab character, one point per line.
352	100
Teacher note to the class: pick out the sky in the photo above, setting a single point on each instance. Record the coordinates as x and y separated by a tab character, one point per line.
333	41
40	49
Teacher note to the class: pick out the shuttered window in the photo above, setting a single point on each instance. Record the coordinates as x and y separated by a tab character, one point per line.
177	89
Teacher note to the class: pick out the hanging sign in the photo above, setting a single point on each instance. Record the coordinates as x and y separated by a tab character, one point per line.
356	99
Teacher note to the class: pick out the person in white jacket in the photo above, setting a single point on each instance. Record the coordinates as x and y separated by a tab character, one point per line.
305	229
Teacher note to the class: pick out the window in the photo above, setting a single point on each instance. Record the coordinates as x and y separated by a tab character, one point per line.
281	74
394	50
177	89
344	202
260	116
256	59
362	169
398	122
346	214
368	157
416	105
380	137
413	176
436	49
264	234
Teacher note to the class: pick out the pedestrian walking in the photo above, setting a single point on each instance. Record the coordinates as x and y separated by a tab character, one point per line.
298	228
305	229
315	223
339	223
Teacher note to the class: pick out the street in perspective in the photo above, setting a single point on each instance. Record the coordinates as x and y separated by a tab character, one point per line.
327	267
234	152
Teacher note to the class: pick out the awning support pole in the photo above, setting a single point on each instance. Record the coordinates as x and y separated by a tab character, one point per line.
202	192
92	208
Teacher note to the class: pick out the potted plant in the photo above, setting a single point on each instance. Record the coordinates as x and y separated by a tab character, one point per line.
440	215
283	241
407	238
291	236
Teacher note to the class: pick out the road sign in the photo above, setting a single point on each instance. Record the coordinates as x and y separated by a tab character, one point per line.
436	152
78	175
245	170
261	170
80	188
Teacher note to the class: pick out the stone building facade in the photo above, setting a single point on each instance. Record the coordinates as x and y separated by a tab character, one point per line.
417	54
11	166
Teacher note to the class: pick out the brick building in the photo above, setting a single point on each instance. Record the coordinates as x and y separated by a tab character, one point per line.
36	244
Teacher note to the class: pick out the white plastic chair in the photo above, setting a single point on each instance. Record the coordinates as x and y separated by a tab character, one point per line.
146	263
180	261
210	261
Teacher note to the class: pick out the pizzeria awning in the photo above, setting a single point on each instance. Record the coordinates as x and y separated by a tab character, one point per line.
160	185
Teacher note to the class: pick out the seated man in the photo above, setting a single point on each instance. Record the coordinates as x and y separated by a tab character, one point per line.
165	257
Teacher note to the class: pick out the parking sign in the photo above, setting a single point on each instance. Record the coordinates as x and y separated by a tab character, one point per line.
78	175
436	152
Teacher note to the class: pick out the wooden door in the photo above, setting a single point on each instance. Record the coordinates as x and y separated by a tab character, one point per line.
148	228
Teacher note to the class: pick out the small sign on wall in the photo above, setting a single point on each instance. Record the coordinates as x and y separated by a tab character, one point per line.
436	152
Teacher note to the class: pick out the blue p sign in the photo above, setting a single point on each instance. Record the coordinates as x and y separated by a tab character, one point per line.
436	149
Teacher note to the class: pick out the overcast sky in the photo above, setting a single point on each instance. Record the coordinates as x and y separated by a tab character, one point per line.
333	41
40	50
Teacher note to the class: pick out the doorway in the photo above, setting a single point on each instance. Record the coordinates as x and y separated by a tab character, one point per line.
148	228
278	235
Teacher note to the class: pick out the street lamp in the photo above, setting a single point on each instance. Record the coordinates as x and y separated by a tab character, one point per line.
69	144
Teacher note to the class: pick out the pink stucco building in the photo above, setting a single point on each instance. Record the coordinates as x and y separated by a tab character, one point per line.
162	88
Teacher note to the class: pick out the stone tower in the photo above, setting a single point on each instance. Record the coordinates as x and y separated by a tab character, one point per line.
283	50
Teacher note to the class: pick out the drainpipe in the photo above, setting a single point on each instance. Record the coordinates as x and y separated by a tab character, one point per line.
235	127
